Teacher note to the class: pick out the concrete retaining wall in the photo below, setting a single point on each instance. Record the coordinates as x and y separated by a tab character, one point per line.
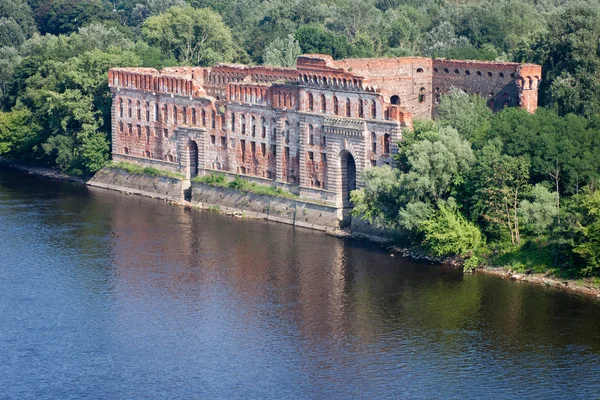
152	186
294	212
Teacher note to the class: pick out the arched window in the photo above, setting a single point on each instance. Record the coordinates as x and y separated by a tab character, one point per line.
422	95
323	104
129	108
165	113
125	150
213	119
273	130
361	111
419	70
386	144
437	95
139	110
203	117
373	142
348	107
174	114
263	124
121	107
232	121
253	126
184	115
373	109
243	119
395	99
147	111
311	135
155	112
336	109
194	121
311	104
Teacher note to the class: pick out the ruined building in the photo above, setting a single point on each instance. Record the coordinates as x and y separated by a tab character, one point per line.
312	129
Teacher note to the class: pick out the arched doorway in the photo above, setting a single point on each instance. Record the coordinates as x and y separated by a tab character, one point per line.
348	177
193	157
395	99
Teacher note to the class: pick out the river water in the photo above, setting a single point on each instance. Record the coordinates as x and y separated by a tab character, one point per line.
108	296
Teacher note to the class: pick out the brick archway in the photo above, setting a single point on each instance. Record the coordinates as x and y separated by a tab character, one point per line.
192	158
348	174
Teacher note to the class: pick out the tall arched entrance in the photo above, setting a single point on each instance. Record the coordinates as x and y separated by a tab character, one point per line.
193	157
348	177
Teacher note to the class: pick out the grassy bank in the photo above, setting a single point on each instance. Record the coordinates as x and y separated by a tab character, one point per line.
139	170
243	186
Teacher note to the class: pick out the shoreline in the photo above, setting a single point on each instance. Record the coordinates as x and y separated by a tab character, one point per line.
566	285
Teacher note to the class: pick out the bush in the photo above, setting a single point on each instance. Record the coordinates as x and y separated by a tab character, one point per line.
449	233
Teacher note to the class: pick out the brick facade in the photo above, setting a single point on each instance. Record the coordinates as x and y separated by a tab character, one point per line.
313	129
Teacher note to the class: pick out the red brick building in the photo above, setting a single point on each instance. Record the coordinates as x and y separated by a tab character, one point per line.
313	129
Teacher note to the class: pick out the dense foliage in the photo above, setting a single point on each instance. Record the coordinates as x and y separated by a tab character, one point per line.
525	181
528	182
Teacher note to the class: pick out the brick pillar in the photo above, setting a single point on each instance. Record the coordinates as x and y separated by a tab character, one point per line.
303	136
280	143
183	156
114	125
202	143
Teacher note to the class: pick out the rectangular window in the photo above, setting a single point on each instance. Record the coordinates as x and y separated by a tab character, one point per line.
274	149
147	131
253	148
155	112
213	139
263	148
323	141
129	129
139	131
243	146
373	163
165	132
223	141
311	156
324	158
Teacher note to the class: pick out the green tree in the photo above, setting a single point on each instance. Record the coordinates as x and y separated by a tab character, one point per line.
587	232
468	114
570	57
17	131
537	215
192	36
432	164
282	52
314	38
498	183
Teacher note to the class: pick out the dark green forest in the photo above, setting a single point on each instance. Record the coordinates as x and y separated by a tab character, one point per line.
511	188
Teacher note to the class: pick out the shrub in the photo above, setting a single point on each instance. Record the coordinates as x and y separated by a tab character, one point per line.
449	233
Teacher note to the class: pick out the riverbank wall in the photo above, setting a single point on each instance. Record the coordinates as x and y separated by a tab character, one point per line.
295	212
158	187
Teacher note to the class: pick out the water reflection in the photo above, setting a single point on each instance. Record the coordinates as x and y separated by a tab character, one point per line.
106	295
